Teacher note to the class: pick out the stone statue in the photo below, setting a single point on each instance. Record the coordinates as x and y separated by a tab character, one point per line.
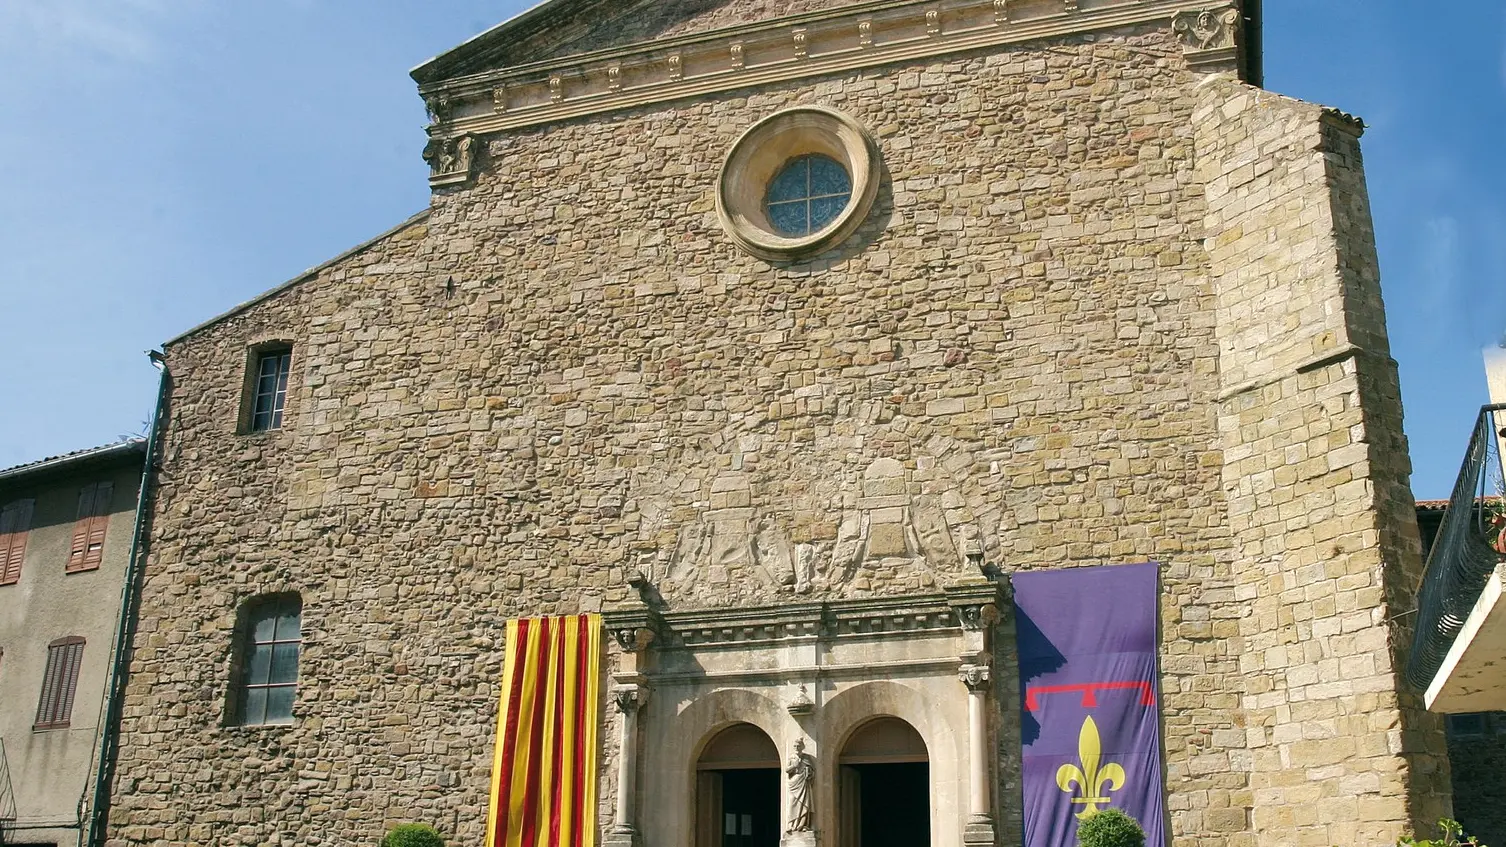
463	153
805	567
802	773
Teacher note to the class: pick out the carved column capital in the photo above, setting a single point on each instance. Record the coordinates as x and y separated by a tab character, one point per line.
975	677
629	698
1210	38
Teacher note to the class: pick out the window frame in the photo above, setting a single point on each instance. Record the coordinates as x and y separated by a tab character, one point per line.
65	658
276	413
808	197
86	552
253	611
15	527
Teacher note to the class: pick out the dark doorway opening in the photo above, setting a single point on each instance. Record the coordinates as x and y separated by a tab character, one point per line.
893	804
737	790
885	787
750	808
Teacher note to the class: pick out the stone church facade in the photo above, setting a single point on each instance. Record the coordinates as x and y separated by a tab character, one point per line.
1087	295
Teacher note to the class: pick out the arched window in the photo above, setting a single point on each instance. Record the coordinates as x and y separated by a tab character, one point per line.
267	671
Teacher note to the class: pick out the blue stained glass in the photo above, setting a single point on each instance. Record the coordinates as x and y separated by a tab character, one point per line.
790	183
827	177
825	210
790	218
807	194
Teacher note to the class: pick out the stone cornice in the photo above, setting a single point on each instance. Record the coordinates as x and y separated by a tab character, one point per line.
871	617
817	43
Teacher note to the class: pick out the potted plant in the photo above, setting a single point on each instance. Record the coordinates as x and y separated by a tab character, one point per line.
1494	516
1110	828
412	835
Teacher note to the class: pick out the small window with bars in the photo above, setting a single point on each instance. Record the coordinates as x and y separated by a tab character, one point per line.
59	682
269	677
269	388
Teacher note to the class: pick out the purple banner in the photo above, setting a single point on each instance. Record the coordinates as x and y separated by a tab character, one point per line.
1091	718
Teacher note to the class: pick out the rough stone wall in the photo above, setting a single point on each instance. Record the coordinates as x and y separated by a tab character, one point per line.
747	11
611	25
1315	477
1479	782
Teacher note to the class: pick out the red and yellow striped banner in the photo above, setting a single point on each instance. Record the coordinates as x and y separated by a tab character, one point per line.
544	766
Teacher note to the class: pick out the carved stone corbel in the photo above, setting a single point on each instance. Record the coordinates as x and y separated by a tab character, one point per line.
451	160
438	107
1210	38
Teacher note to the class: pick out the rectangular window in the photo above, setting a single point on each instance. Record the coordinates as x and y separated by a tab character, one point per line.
64	656
15	522
271	664
88	548
270	391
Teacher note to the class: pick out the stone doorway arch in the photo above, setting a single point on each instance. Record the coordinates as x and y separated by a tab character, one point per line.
884	786
737	789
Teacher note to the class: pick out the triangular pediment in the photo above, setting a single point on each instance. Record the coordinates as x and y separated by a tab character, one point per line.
558	28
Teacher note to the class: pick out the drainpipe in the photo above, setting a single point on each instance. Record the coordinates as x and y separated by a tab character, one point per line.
125	628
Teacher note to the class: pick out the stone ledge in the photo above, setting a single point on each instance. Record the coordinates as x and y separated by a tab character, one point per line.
789	48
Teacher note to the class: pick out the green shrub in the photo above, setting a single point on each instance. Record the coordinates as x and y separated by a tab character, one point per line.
1110	828
412	835
1453	836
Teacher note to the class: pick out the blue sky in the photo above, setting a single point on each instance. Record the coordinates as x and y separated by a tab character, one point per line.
163	160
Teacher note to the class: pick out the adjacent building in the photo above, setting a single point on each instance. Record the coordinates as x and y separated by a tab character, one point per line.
1461	632
790	339
66	530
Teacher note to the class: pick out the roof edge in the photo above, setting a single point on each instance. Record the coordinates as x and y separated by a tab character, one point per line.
306	275
436	66
87	456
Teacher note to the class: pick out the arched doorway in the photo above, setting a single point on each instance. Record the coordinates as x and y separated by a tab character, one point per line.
737	790
885	786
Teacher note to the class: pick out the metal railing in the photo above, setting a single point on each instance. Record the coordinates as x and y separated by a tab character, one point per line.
7	796
1462	558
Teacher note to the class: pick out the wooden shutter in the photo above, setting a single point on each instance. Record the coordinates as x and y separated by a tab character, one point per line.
15	522
59	683
89	532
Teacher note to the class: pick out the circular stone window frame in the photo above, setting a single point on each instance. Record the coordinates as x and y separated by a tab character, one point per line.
761	152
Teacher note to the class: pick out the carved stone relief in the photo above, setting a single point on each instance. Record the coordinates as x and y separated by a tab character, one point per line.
1210	38
450	159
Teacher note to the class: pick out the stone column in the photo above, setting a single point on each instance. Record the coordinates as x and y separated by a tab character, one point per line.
628	699
977	608
629	693
980	821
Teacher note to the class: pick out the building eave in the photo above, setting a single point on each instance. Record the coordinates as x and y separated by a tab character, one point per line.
91	457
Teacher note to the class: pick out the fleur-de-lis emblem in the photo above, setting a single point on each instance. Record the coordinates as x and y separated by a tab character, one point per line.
1092	780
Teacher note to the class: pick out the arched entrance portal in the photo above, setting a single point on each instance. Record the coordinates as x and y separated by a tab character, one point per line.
737	790
885	789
